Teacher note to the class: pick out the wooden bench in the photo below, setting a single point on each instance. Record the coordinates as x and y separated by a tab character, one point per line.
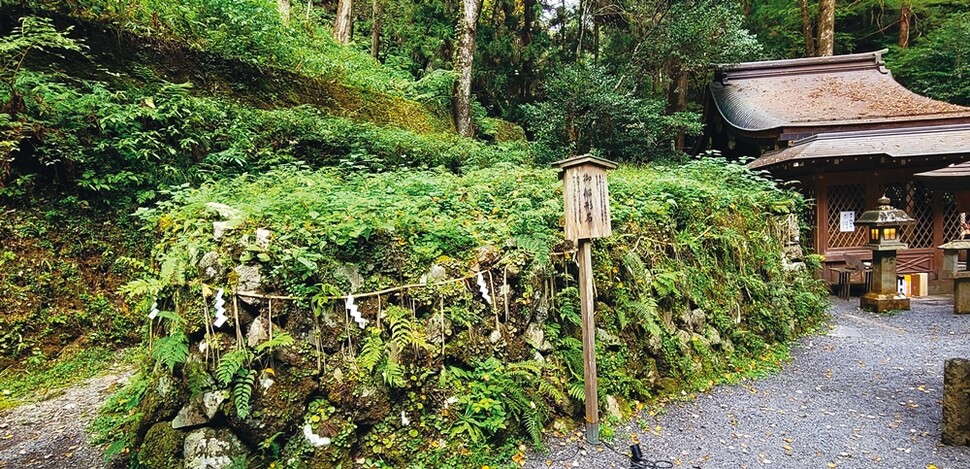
853	264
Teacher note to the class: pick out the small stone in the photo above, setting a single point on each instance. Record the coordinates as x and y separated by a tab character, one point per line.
219	229
436	273
191	415
210	265
164	386
224	211
613	407
266	380
262	238
495	336
249	277
258	332
208	448
211	401
535	336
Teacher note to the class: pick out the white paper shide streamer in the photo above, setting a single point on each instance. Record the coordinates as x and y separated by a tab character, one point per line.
220	307
154	312
483	287
355	313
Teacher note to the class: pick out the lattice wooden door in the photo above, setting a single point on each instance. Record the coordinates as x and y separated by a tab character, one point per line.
951	218
916	200
845	198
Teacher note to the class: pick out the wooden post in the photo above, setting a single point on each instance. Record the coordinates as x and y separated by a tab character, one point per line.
587	207
589	339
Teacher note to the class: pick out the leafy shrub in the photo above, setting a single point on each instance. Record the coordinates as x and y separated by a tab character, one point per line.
586	109
132	143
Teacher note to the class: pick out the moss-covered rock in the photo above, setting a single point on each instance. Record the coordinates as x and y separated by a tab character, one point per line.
162	448
163	399
273	410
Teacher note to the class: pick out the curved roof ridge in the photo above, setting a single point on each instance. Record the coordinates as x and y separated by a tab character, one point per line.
827	64
847	92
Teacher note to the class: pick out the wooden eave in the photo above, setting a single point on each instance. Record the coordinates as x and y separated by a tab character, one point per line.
943	144
954	177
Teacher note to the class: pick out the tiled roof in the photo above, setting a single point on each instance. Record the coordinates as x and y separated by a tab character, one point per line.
852	91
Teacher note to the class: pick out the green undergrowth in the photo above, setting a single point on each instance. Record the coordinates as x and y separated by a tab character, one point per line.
246	30
692	290
121	145
61	294
38	381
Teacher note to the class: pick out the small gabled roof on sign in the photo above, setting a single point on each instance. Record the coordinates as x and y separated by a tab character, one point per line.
584	159
822	94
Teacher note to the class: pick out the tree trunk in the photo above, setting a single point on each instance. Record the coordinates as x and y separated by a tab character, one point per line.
284	7
826	27
377	25
309	8
905	16
343	23
596	40
807	29
582	27
677	99
463	65
528	63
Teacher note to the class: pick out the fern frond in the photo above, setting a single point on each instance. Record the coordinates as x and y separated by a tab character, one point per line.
172	350
142	287
280	339
526	371
550	390
635	267
402	333
393	372
534	421
170	315
231	363
242	391
419	339
576	390
133	263
371	352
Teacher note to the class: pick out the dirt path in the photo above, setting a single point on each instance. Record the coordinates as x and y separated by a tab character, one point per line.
52	434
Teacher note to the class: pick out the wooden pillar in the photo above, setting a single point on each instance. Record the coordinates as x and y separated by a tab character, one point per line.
822	220
938	232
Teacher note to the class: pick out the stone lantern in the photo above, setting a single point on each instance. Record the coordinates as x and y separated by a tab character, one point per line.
961	278
885	226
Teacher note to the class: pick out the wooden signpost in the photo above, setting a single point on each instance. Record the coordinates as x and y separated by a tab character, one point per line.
587	207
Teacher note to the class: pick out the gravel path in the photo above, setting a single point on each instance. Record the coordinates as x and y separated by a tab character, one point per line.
52	434
865	395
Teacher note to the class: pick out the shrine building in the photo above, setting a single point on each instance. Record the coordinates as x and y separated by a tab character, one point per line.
846	133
